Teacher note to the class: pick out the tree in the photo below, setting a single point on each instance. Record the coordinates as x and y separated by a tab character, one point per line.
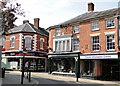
8	11
10	8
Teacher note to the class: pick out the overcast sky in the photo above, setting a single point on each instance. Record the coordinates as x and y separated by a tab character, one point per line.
52	12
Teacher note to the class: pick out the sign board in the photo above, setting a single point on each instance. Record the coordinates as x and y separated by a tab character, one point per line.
99	57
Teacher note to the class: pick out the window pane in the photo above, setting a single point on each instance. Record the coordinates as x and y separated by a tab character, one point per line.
95	43
63	45
110	23
28	43
12	41
56	45
58	32
95	26
75	29
75	44
68	45
41	43
110	42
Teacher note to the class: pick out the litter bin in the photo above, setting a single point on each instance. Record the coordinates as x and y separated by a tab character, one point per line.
3	72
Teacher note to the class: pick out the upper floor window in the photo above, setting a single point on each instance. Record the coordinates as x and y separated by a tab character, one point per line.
75	29
110	42
95	26
110	23
12	41
62	45
41	43
28	42
75	44
58	31
95	43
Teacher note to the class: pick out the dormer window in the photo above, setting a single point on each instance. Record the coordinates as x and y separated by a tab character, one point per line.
58	31
75	29
110	23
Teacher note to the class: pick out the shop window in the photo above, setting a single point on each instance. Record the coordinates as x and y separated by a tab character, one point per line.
42	43
110	23
110	42
95	26
28	42
95	43
58	31
75	29
12	41
75	44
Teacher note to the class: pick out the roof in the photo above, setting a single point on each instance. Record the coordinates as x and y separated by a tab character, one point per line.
28	28
87	17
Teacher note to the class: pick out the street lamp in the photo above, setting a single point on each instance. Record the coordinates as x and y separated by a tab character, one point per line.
77	67
23	65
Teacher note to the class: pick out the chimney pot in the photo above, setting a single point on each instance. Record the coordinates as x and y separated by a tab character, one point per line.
36	22
90	6
25	21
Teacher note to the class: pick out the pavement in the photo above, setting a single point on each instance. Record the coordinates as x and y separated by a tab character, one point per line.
73	79
14	77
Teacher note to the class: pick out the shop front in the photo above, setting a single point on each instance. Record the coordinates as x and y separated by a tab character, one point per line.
13	60
63	63
105	66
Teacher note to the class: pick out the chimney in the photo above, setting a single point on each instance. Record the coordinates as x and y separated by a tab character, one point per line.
90	7
25	21
36	22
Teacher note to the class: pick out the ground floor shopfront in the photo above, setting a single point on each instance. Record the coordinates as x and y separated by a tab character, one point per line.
64	63
13	60
105	66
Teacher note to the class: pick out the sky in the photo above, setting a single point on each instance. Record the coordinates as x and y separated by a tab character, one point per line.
53	12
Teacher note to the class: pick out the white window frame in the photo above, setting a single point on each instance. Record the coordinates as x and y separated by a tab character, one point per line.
59	46
12	44
107	43
74	29
42	43
75	45
58	32
95	26
109	21
26	44
95	44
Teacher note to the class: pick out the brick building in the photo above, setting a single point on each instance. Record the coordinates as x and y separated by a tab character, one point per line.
31	38
94	38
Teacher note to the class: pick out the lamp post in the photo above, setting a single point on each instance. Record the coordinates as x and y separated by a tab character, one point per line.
77	67
23	65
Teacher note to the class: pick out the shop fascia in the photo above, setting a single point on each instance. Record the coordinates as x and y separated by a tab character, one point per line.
99	56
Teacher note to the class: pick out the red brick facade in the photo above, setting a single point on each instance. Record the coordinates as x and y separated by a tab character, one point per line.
17	37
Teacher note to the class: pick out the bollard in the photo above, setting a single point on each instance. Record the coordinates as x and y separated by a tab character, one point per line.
29	76
3	72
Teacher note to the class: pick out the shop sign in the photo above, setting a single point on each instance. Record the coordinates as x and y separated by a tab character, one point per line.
99	57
